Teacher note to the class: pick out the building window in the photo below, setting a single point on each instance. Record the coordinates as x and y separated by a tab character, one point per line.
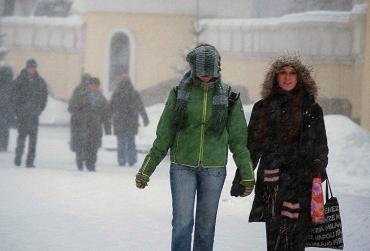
119	58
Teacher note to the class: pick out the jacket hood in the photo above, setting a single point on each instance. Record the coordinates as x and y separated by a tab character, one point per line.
303	73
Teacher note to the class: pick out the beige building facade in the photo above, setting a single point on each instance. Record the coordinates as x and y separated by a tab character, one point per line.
152	52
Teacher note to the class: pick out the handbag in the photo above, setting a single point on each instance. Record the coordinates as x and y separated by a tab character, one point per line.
317	202
328	234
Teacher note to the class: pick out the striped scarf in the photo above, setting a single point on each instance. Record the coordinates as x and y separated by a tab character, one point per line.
219	111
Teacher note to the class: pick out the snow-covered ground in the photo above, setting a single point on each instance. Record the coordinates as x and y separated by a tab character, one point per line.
55	207
55	113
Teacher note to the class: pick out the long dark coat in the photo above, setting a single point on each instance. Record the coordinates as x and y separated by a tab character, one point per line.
126	106
88	119
287	131
6	97
30	98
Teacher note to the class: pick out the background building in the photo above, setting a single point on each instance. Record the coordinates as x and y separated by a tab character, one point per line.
147	40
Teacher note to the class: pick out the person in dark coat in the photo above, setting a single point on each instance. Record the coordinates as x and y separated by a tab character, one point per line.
90	112
81	87
30	97
287	136
126	106
6	106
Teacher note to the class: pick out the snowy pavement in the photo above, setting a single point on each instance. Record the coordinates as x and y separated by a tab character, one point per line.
55	207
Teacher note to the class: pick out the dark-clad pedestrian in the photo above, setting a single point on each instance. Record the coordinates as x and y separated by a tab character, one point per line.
286	135
126	106
6	106
89	114
30	98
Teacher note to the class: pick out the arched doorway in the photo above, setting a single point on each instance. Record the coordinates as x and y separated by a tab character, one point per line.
119	58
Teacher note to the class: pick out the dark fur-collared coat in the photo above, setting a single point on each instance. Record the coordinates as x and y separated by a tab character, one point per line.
286	132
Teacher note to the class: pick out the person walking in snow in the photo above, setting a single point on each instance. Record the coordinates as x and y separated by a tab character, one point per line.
77	91
126	106
286	135
89	113
199	124
6	105
30	98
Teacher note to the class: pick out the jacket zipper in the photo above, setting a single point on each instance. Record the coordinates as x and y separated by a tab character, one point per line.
202	129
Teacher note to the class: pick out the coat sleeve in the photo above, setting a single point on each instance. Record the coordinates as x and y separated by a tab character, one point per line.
44	96
317	135
254	148
141	109
74	104
237	130
165	136
16	100
106	116
113	102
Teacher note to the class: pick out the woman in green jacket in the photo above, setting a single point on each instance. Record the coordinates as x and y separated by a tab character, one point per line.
202	117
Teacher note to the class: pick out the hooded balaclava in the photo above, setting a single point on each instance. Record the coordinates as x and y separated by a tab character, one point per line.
203	60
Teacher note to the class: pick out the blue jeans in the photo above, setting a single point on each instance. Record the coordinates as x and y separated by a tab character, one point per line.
206	184
126	149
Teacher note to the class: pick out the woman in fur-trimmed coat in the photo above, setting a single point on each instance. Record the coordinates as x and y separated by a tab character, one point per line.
287	137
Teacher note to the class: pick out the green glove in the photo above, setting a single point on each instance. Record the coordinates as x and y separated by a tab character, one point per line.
249	185
141	180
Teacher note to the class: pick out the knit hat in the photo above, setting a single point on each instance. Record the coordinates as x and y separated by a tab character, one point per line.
31	63
204	60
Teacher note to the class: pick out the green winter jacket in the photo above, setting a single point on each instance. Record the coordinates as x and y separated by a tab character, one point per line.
194	146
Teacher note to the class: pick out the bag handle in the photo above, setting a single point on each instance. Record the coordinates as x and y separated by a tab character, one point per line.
328	188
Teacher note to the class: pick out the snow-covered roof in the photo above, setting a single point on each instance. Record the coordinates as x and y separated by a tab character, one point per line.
305	17
72	21
208	8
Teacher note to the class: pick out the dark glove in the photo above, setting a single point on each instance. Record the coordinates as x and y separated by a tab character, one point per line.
146	122
239	187
248	187
141	180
